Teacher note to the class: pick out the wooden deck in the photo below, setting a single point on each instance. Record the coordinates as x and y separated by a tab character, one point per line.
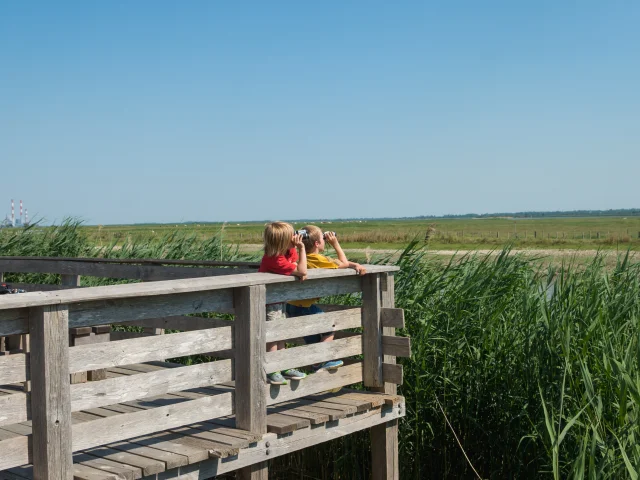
80	401
216	446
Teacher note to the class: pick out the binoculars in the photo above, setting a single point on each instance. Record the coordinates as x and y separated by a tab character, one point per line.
304	234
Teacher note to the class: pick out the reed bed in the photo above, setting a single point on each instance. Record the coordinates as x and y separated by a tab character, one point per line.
537	370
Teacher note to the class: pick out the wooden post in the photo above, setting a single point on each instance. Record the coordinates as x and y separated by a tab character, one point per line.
50	397
250	394
70	280
384	437
372	336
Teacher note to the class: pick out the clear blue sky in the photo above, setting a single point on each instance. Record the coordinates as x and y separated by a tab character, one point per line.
162	111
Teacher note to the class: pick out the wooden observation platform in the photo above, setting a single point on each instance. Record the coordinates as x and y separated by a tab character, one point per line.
81	400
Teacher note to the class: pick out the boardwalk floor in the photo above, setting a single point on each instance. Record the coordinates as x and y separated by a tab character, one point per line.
214	446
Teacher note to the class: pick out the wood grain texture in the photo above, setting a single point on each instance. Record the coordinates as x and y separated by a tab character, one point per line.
286	444
180	322
146	273
322	381
143	422
372	336
148	348
384	437
14	368
313	324
392	317
124	389
14	408
50	405
392	373
189	285
311	354
250	399
396	346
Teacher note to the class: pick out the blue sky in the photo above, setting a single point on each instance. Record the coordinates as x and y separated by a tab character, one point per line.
159	111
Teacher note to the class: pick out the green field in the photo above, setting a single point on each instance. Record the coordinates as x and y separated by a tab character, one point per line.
562	232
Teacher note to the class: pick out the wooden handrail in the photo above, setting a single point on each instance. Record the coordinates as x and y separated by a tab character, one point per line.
168	287
139	261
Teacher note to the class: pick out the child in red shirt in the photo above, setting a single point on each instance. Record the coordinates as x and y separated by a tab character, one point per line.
281	257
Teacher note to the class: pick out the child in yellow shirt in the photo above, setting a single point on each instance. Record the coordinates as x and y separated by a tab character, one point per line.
314	246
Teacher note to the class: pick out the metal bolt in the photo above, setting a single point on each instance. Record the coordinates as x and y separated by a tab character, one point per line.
268	444
268	451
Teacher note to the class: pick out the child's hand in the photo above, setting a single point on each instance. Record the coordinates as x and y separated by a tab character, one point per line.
360	270
296	240
331	239
302	278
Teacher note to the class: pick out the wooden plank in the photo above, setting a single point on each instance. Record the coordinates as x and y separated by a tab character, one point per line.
298	440
396	346
127	472
14	368
322	381
316	418
100	329
13	321
250	406
146	273
14	408
173	443
143	422
157	347
83	472
123	389
361	405
15	451
384	437
313	324
50	406
147	465
212	448
125	261
392	317
180	322
80	331
315	285
280	424
97	313
250	399
310	288
70	280
392	373
372	337
170	459
312	354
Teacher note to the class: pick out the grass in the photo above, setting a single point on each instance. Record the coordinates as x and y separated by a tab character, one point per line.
598	232
537	368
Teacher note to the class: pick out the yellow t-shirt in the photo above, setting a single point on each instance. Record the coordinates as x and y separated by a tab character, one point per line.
315	260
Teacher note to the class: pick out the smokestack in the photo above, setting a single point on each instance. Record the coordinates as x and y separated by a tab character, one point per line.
13	214
26	217
20	217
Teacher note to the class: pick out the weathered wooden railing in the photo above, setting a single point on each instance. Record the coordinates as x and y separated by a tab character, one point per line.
48	360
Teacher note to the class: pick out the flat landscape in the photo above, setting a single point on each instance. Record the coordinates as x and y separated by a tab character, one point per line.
589	233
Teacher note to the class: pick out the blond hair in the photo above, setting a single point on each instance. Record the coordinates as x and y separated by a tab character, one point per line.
277	238
315	235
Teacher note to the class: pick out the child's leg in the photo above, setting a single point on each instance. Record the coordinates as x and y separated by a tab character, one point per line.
275	312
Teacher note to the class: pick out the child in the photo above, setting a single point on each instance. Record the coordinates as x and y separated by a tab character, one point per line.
280	256
315	244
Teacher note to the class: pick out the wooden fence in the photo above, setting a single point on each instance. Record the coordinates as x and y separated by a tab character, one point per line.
44	319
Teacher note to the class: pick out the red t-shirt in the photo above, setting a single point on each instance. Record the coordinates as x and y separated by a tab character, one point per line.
280	264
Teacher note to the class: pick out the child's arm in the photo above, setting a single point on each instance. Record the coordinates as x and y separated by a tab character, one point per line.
342	258
301	267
